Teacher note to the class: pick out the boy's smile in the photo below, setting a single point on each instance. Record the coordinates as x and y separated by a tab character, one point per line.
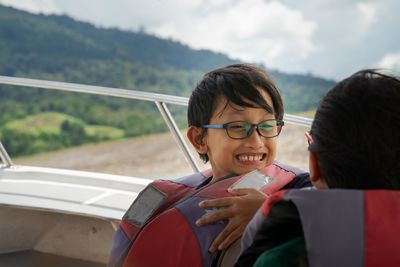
251	159
238	156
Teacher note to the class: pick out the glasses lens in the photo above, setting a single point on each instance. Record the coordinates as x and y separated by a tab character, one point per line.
238	129
268	128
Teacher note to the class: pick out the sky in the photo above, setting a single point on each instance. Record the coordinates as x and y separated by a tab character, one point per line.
328	38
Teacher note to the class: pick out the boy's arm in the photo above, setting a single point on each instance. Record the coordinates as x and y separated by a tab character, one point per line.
238	209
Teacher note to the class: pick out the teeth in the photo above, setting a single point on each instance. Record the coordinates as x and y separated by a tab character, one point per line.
250	158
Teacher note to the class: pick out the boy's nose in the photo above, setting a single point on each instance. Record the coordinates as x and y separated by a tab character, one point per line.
255	139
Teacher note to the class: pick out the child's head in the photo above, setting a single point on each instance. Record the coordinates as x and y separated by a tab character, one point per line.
238	92
356	134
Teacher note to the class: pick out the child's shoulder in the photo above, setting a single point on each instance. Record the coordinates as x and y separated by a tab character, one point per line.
301	178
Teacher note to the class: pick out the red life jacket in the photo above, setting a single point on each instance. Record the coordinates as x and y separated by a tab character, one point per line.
168	236
174	190
341	227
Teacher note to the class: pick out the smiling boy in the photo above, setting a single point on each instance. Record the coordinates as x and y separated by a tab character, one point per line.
235	114
246	94
227	150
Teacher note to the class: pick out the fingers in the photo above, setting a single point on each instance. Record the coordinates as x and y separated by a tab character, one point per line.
221	237
221	214
216	203
226	237
236	206
213	217
243	191
227	201
237	233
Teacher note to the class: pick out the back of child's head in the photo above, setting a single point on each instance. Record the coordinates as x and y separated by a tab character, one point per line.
356	132
239	84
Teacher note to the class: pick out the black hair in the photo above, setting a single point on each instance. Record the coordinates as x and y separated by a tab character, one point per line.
238	84
356	132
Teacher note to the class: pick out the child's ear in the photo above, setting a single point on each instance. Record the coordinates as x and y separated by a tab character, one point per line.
316	176
195	137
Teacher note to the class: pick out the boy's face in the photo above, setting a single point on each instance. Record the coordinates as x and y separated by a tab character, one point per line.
232	156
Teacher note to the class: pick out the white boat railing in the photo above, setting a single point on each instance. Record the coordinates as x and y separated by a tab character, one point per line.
161	101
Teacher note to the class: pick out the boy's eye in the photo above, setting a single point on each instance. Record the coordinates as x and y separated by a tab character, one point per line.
265	127
237	127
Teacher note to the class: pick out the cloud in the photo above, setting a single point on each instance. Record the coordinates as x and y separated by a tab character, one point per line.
366	16
253	30
390	61
368	11
33	6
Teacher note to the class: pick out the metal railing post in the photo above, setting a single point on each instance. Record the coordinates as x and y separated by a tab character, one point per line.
5	158
162	107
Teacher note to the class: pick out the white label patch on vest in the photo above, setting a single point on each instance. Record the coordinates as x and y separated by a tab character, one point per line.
148	201
254	179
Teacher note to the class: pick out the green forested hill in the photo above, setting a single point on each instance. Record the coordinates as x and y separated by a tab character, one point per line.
60	48
52	44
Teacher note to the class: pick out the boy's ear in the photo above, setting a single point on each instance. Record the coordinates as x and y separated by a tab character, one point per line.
316	176
195	137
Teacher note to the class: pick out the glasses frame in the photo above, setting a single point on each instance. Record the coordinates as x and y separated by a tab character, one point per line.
310	141
279	125
309	138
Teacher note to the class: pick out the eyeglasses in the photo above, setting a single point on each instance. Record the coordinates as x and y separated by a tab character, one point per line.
310	140
242	129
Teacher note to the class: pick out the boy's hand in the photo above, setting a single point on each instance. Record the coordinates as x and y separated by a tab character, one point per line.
238	209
